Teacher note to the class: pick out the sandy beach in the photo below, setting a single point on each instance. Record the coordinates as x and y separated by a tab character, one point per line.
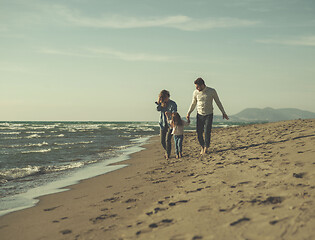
258	182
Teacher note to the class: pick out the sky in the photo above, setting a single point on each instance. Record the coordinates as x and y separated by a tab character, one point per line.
107	60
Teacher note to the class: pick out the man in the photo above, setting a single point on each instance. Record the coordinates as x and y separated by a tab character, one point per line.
166	106
203	98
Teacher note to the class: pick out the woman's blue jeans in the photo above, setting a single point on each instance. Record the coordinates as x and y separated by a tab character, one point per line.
166	137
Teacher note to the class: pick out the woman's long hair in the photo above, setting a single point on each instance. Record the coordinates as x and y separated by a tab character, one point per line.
176	119
162	96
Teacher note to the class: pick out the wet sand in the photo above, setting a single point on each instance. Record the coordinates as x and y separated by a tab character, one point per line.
258	182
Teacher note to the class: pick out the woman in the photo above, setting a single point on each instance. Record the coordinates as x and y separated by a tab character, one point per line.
166	106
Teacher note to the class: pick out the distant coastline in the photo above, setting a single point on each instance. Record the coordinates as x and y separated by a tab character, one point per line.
268	114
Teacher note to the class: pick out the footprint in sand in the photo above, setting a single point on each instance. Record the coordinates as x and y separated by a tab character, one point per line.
204	208
112	199
175	203
193	191
102	217
269	200
130	200
245	219
156	210
197	237
159	181
66	231
162	223
51	209
299	175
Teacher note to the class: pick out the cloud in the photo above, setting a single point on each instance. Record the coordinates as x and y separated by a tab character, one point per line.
178	21
204	24
127	56
50	51
108	53
298	41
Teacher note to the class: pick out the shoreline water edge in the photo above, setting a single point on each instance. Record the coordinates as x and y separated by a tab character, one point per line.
40	158
257	183
30	198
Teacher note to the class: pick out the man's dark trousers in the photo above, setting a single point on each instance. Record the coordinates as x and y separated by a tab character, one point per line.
204	124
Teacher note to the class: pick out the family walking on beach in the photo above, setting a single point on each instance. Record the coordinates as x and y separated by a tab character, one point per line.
172	124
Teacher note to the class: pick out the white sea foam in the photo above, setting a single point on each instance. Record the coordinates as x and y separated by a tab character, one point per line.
12	138
72	143
38	151
146	129
33	136
35	132
36	144
14	126
81	127
15	173
64	167
10	133
42	126
26	145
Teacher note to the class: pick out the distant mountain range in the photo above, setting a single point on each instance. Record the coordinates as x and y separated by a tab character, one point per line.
268	115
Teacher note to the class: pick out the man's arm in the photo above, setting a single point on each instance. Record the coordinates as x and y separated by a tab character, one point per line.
219	104
192	107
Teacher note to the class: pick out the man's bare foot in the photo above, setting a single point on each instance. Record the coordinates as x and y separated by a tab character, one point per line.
177	156
206	150
202	152
166	156
180	155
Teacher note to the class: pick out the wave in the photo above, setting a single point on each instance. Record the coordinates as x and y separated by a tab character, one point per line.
42	126
25	145
36	144
16	173
80	127
33	136
38	151
35	132
133	128
72	143
36	136
10	133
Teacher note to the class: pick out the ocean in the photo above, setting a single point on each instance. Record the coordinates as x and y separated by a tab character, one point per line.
39	158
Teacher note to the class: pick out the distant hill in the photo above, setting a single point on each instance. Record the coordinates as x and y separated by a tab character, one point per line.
271	114
265	115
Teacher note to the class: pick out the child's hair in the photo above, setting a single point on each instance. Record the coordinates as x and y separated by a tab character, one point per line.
177	120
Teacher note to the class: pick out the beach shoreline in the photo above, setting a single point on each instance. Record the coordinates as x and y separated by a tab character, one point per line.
30	197
257	183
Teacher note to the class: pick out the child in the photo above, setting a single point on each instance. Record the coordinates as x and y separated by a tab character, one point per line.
177	124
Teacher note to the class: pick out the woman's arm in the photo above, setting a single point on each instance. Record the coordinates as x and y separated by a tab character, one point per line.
158	107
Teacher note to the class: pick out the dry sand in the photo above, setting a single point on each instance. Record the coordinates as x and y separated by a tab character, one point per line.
257	183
